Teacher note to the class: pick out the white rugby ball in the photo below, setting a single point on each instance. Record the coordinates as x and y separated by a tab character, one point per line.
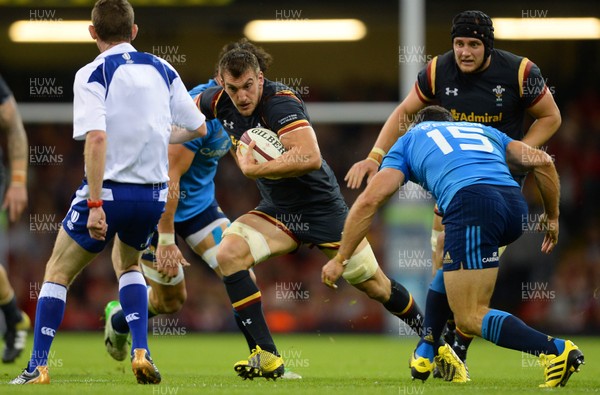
268	146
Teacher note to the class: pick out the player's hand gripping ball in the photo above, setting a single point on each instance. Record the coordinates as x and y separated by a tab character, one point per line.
268	146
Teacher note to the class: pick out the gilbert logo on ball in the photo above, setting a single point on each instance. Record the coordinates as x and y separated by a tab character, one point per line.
268	146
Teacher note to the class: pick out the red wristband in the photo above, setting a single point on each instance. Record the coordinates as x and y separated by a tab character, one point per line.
94	203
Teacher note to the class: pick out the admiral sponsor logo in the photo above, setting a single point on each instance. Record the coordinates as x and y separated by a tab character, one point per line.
478	118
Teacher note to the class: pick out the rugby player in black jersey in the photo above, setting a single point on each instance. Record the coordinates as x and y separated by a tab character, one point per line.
302	206
477	83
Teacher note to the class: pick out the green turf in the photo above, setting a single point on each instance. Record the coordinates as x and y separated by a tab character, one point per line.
329	363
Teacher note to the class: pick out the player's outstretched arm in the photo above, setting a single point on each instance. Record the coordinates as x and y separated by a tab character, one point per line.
546	178
360	217
395	126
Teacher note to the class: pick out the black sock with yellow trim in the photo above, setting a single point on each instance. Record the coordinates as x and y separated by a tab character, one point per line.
246	301
403	306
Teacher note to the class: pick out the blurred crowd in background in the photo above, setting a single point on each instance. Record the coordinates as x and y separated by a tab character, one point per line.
559	293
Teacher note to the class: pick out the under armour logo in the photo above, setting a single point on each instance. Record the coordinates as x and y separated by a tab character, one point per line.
247	322
258	125
48	331
228	124
453	91
132	317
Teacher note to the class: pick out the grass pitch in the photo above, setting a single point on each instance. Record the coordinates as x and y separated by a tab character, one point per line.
329	363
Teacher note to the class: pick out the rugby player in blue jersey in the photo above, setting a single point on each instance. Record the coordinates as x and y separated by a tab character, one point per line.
477	83
465	166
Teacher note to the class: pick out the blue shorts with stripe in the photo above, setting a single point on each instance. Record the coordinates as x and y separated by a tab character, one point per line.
132	212
195	229
479	219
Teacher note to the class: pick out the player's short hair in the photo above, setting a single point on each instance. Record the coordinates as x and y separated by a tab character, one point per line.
264	58
113	20
433	114
237	61
474	24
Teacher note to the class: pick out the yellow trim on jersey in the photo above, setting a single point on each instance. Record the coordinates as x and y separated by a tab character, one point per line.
522	68
215	101
246	300
433	68
293	126
423	97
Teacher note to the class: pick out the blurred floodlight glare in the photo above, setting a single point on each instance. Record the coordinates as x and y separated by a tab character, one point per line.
50	32
306	30
547	28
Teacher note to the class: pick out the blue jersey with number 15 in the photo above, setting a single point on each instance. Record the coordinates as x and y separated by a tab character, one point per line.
444	157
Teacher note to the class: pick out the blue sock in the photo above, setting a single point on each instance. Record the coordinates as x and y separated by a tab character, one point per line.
119	323
508	331
425	349
437	312
48	316
437	309
134	302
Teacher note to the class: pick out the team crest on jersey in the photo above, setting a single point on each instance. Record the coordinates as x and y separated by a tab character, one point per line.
498	90
453	92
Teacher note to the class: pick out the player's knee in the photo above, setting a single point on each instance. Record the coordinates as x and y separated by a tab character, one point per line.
466	322
361	266
242	252
377	290
230	260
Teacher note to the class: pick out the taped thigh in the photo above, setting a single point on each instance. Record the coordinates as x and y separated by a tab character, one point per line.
361	267
210	257
259	248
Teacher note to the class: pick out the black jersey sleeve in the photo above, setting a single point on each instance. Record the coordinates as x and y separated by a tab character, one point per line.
425	85
5	92
208	101
284	112
532	85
